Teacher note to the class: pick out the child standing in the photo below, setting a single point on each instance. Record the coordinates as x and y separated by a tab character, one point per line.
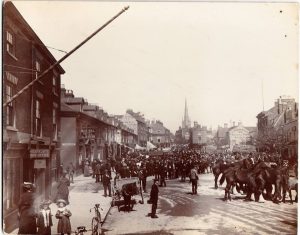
44	218
63	215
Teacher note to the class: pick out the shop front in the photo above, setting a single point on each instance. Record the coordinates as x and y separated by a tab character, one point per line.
40	168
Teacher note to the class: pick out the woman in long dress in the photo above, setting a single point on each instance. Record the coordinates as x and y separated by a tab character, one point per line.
63	188
27	213
87	168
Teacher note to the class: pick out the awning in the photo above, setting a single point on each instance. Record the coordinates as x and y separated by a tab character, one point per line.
150	146
166	150
137	147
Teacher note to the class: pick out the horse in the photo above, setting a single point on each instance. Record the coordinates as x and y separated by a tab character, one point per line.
288	185
218	169
238	173
272	176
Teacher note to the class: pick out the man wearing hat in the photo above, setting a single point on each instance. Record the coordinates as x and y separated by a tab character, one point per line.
154	198
27	214
106	183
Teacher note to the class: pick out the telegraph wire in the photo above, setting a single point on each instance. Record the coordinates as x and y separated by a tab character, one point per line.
64	57
20	36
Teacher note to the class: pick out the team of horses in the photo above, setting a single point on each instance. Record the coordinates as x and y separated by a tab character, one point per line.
256	180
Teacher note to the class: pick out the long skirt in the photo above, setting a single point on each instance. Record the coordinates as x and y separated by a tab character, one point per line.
64	225
86	171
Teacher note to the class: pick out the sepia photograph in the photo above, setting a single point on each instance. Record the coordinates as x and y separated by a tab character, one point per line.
150	117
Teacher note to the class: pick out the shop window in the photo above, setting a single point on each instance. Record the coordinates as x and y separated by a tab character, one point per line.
10	109
38	122
10	43
11	189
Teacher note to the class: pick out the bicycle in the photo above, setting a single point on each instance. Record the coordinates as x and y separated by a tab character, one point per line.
96	220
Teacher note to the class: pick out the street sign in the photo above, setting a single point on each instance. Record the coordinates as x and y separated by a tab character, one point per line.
40	163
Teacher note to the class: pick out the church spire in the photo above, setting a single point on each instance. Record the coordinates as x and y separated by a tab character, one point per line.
186	123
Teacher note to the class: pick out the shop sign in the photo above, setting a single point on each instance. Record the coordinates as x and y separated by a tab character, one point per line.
68	144
40	163
39	153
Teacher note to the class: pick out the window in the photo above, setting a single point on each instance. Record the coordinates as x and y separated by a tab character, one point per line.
54	122
54	83
38	123
37	66
10	117
10	45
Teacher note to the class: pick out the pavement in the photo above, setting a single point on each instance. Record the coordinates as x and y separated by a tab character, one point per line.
84	194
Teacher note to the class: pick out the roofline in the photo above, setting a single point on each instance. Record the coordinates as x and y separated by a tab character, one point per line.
11	8
85	115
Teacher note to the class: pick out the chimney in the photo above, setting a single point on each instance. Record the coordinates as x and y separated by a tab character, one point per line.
233	124
225	125
239	123
62	91
68	93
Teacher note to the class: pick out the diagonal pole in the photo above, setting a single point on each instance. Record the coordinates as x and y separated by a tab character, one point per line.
63	58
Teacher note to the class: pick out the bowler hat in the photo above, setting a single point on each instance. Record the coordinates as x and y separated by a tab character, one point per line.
155	180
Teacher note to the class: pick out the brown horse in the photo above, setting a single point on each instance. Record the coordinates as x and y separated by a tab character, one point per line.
238	173
218	169
272	176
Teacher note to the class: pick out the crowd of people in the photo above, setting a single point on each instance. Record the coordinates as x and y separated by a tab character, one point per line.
177	163
180	163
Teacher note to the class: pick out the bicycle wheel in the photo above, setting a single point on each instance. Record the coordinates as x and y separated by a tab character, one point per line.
96	226
99	219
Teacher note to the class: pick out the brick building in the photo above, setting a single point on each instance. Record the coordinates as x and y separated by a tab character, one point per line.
31	125
136	122
89	132
278	128
160	136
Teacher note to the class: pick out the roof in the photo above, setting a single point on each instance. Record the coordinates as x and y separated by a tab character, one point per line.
90	107
73	100
66	108
239	127
251	128
137	116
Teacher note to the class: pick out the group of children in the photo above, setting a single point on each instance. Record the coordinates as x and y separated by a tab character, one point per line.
44	218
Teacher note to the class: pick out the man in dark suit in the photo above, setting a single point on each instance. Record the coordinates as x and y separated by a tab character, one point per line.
106	183
154	198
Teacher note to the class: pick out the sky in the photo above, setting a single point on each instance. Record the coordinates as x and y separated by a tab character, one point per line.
228	60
